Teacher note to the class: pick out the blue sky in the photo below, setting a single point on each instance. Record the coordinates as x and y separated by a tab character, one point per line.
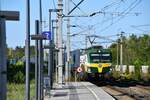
16	30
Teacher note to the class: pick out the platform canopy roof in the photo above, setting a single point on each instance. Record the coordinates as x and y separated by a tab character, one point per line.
10	15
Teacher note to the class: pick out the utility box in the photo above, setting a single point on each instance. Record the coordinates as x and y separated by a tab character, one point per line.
117	68
145	69
124	68
131	68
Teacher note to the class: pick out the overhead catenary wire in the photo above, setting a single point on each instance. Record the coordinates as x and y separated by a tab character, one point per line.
110	36
104	8
144	25
111	5
107	7
75	7
118	14
137	28
54	4
103	11
78	7
124	12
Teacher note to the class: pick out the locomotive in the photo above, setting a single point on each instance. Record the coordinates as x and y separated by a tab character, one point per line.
95	61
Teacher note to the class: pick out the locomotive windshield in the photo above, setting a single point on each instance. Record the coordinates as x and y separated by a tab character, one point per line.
100	57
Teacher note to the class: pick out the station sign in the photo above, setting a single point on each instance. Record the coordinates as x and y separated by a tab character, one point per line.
47	34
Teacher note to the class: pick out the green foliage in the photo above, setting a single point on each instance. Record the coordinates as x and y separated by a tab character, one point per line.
138	63
16	69
116	75
19	77
136	50
19	52
19	63
16	72
17	91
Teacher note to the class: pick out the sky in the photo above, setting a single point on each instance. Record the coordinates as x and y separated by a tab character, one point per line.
129	16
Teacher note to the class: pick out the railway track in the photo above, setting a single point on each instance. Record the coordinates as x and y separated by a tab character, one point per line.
147	88
132	92
117	93
125	91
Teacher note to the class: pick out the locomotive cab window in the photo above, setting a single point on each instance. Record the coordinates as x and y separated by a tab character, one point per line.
100	57
94	57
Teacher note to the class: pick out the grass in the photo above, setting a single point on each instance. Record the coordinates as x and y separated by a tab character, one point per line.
17	91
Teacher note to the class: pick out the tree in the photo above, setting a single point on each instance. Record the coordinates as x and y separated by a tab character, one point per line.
136	50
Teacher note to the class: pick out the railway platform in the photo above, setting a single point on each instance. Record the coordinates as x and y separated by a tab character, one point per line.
77	91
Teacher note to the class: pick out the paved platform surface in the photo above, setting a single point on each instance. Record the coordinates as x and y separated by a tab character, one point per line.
78	91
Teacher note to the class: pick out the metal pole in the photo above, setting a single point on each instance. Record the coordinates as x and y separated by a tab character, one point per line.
49	55
56	57
40	94
75	77
121	53
60	53
51	42
27	52
52	55
53	31
86	41
55	51
39	71
52	52
117	53
40	53
36	61
67	72
55	34
3	66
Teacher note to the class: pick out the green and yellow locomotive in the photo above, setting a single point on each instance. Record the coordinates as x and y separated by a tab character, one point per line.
96	61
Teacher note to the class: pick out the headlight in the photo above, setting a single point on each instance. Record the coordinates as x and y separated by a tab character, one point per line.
89	70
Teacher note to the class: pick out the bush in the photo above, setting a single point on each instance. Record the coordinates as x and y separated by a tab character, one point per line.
116	75
19	77
16	72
